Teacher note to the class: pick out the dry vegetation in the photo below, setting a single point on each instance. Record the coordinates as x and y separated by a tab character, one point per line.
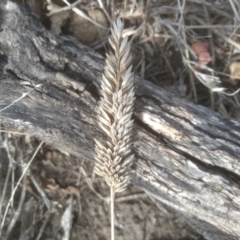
189	47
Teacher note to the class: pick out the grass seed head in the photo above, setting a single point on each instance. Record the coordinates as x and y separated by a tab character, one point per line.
114	156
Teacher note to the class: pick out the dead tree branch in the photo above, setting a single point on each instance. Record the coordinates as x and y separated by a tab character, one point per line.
186	155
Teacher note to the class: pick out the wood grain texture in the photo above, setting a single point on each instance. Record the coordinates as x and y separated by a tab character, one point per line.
186	155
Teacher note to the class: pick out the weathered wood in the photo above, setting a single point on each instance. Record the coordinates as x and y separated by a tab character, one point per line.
186	155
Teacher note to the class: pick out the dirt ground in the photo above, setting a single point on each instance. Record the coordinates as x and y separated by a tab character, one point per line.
61	189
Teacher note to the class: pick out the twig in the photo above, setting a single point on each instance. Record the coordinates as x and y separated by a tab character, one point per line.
66	221
41	192
23	96
19	209
11	162
17	185
83	15
43	226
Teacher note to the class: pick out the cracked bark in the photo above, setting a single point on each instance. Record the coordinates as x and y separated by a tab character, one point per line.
186	155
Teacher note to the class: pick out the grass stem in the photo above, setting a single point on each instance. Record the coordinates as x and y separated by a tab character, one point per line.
112	213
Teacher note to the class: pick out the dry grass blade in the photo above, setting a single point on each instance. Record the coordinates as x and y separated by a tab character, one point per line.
16	187
83	15
114	155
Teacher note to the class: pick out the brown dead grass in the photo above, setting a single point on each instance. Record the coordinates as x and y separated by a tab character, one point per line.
162	34
59	199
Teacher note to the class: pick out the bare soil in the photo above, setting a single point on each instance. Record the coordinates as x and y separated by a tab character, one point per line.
64	179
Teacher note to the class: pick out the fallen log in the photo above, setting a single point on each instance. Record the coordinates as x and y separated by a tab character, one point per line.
187	156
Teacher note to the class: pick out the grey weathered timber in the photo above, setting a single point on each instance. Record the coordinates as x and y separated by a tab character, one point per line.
187	156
